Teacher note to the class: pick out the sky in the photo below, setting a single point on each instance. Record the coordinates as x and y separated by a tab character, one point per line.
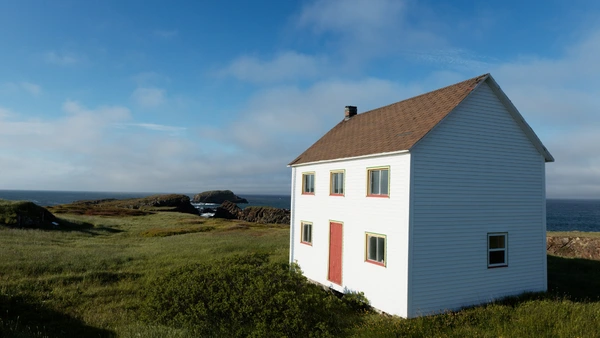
187	96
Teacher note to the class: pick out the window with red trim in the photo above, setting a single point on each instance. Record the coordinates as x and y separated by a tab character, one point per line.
376	249
308	183
306	237
337	183
379	181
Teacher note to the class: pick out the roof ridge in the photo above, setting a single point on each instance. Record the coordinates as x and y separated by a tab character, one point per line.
476	78
397	126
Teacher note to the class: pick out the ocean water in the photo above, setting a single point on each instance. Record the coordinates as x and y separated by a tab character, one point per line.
50	198
570	215
561	215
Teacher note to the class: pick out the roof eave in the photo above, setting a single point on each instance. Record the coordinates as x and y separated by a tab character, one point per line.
537	143
349	158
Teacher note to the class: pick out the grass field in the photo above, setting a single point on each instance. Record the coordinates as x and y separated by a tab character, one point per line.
86	282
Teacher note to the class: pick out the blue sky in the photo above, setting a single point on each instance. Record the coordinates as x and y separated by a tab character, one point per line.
174	96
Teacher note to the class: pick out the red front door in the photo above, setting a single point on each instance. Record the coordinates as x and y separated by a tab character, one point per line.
335	252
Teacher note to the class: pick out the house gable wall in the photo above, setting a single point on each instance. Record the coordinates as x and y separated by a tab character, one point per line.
384	286
473	174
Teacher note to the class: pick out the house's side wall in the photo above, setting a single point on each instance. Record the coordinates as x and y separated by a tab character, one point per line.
475	173
384	286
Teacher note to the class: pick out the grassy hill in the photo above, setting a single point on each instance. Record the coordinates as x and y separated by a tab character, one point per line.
91	281
24	214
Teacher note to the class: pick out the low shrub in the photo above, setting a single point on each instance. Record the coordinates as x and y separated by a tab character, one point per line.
246	296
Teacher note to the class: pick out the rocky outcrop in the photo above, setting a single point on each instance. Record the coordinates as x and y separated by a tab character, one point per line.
174	202
265	215
164	202
574	246
218	197
25	215
228	210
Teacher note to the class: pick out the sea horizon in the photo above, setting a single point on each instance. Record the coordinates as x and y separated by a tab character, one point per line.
562	214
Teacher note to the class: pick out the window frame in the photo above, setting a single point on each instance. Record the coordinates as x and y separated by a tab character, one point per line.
383	262
302	233
504	249
331	182
304	176
369	187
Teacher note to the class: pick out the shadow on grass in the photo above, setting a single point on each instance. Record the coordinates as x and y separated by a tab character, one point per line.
574	278
64	225
20	318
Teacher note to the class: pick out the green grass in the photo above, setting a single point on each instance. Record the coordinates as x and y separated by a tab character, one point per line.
85	281
93	275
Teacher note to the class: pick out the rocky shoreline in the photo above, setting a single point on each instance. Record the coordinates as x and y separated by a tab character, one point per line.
218	197
230	210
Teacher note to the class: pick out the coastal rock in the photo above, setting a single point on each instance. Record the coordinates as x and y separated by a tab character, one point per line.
218	197
266	215
25	215
174	202
228	210
164	202
574	246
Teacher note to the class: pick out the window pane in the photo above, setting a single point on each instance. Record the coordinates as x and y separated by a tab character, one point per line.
337	183
497	257
308	183
374	183
380	249
497	242
372	244
309	233
384	182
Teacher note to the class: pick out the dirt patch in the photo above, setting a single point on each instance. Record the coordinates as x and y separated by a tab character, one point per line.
574	246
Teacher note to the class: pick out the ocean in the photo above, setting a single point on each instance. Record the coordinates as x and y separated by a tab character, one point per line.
561	215
50	198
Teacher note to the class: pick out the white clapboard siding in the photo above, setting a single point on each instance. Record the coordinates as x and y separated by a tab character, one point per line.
476	172
385	287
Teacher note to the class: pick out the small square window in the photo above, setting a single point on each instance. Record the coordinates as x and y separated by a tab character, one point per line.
378	182
308	183
306	233
376	249
497	250
337	183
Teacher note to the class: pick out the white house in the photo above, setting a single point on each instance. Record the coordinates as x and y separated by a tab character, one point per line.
429	204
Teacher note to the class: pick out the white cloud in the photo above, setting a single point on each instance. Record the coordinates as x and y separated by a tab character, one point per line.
149	97
166	34
159	127
148	78
16	87
287	65
31	88
365	29
61	58
5	113
283	121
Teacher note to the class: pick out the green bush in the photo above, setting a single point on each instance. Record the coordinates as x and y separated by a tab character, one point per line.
246	296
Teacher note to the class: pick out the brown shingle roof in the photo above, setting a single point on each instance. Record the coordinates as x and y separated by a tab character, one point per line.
395	127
